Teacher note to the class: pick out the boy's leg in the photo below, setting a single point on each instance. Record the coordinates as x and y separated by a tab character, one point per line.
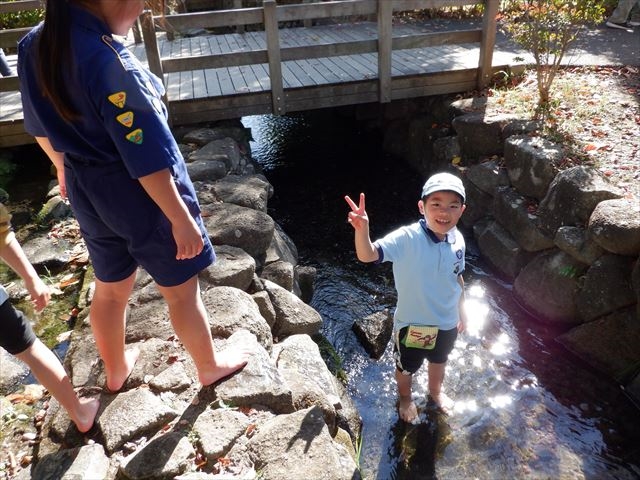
407	409
108	318
436	378
46	367
190	322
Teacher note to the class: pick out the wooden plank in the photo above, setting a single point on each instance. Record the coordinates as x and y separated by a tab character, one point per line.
212	82
217	18
487	43
10	38
239	84
385	35
263	76
20	5
275	63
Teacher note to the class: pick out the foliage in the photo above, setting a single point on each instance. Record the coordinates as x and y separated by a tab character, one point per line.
547	28
21	19
7	169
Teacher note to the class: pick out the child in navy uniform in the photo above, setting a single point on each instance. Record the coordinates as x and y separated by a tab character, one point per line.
428	261
17	337
101	120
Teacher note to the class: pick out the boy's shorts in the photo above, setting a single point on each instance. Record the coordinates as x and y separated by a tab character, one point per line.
409	360
16	334
127	228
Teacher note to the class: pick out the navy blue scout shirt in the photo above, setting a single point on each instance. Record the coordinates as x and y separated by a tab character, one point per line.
112	92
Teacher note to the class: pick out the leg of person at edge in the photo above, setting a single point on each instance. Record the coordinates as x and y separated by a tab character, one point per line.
428	261
105	128
621	17
17	337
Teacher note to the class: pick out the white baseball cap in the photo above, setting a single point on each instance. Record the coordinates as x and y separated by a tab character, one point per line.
443	181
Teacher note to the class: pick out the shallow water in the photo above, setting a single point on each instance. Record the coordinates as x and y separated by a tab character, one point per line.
525	407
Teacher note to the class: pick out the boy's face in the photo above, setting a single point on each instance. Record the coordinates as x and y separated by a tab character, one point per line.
442	210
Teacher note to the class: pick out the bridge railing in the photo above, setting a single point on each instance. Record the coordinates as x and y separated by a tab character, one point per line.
270	14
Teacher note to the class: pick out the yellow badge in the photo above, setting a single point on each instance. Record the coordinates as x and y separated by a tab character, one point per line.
125	119
135	136
118	99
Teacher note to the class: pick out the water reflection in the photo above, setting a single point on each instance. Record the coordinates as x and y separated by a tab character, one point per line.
523	407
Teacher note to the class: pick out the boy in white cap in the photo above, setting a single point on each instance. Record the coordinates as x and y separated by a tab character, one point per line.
428	261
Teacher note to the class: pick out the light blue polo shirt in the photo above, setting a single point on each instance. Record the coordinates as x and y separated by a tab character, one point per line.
425	272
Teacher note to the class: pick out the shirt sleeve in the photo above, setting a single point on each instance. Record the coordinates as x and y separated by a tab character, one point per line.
129	100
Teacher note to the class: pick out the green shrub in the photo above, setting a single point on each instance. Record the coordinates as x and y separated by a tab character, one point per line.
547	28
22	19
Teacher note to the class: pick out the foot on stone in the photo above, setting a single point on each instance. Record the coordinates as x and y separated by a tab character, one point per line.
86	414
116	380
407	409
226	362
443	403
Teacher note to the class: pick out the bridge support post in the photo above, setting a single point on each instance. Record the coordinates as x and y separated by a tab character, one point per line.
487	43
385	36
273	53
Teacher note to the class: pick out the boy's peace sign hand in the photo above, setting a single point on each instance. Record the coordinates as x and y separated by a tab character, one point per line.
358	215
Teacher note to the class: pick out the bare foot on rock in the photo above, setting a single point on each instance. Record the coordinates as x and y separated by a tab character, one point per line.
443	402
115	380
85	414
226	362
407	409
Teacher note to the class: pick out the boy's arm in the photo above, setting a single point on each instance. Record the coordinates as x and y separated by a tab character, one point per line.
57	159
14	256
359	220
162	190
462	312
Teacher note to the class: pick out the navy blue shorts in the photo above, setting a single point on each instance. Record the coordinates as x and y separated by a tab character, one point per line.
16	334
123	227
409	360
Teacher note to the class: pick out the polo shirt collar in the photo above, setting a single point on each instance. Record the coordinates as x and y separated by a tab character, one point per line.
450	236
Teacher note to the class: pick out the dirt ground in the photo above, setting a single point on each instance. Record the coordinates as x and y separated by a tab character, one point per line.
595	116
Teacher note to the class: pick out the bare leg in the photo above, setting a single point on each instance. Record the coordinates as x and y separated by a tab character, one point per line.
407	408
436	378
49	371
108	317
189	320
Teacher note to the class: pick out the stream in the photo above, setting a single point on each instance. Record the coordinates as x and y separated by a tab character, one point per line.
525	407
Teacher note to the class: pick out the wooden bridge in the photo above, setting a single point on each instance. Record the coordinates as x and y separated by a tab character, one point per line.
264	68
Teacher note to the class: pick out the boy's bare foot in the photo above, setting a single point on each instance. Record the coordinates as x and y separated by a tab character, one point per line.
407	409
443	402
227	362
86	414
116	380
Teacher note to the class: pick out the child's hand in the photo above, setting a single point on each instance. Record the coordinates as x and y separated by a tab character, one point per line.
188	239
358	215
39	292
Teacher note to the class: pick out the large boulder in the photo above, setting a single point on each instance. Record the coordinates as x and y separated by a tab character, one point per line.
577	242
501	250
572	197
606	287
547	287
609	344
531	163
512	211
374	332
615	226
245	228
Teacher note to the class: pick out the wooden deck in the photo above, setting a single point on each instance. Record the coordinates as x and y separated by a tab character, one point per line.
207	94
